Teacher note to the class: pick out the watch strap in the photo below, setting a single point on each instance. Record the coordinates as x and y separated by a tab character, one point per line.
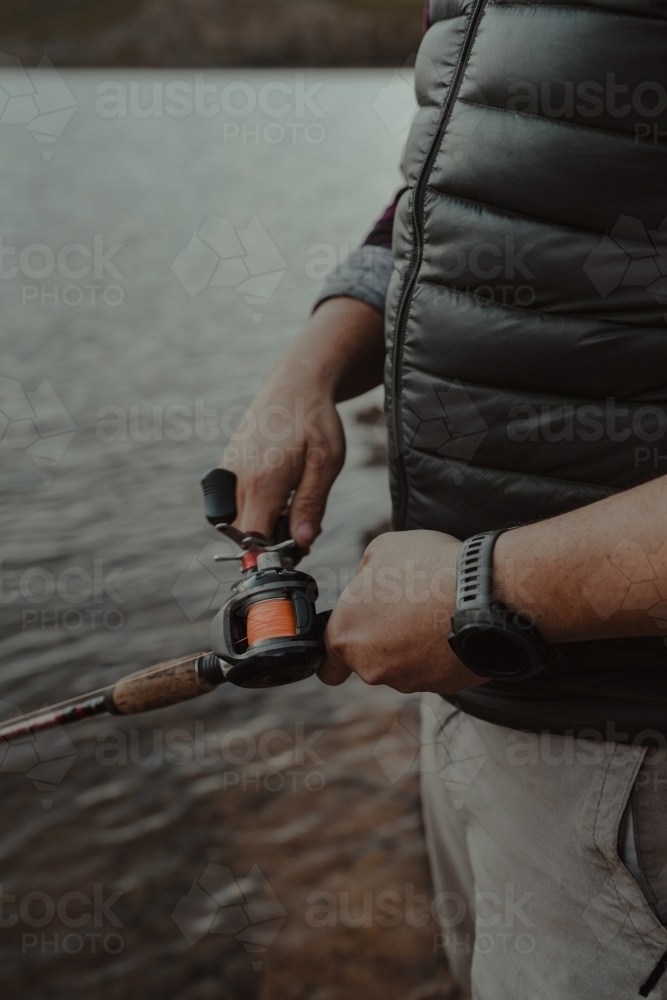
474	572
491	639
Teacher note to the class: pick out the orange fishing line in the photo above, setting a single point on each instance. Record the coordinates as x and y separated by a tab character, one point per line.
270	620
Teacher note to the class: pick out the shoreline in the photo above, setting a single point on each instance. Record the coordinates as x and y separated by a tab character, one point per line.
218	33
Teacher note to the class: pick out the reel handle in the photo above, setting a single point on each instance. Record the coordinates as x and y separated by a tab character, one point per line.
219	488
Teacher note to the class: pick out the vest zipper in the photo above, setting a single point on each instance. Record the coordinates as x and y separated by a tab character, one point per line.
417	212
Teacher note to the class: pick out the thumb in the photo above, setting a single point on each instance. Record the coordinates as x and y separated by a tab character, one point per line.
309	502
333	671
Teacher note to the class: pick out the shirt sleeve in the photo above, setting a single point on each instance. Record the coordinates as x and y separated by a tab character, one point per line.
365	273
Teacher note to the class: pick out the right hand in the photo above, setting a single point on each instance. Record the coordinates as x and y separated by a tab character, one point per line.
297	445
294	445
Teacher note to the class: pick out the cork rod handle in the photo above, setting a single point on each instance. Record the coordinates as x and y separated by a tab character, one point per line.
166	684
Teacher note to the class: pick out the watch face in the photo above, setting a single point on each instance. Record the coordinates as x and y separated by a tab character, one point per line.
497	652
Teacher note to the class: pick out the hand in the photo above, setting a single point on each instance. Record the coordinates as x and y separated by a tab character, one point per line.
297	445
292	440
391	622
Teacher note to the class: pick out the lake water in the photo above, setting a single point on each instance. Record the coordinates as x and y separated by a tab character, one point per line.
128	348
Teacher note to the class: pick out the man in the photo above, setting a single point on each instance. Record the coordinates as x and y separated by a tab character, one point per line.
525	368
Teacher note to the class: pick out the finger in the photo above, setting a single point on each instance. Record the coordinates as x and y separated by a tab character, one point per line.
260	500
310	499
333	671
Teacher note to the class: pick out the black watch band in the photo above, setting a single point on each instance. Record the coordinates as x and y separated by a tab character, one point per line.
490	639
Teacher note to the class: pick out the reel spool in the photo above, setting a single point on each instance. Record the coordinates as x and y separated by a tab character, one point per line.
268	633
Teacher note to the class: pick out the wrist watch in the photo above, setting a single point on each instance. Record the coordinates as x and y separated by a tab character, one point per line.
487	637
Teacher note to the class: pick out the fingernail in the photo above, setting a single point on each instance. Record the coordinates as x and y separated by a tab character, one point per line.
305	533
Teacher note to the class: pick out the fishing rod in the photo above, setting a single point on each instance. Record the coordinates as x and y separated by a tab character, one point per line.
267	633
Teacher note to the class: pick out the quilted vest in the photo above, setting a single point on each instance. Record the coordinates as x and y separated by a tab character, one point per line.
527	313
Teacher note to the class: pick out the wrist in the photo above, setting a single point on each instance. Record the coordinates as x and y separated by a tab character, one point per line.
309	366
511	573
504	558
521	583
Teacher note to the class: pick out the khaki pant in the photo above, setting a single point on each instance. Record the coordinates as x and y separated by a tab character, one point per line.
525	835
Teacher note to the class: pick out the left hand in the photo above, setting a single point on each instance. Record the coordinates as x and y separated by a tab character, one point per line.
391	623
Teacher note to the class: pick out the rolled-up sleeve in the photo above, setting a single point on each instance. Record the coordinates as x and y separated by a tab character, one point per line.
365	272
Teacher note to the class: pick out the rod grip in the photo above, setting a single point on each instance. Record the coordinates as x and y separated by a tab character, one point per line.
166	684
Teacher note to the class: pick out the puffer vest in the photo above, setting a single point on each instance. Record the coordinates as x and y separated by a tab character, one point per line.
527	314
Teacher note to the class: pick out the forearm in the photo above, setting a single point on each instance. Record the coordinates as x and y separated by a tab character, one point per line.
341	350
594	573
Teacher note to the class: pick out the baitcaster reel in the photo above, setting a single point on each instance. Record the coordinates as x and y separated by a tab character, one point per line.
268	633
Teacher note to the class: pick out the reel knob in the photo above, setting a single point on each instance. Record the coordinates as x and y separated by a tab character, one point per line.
219	489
